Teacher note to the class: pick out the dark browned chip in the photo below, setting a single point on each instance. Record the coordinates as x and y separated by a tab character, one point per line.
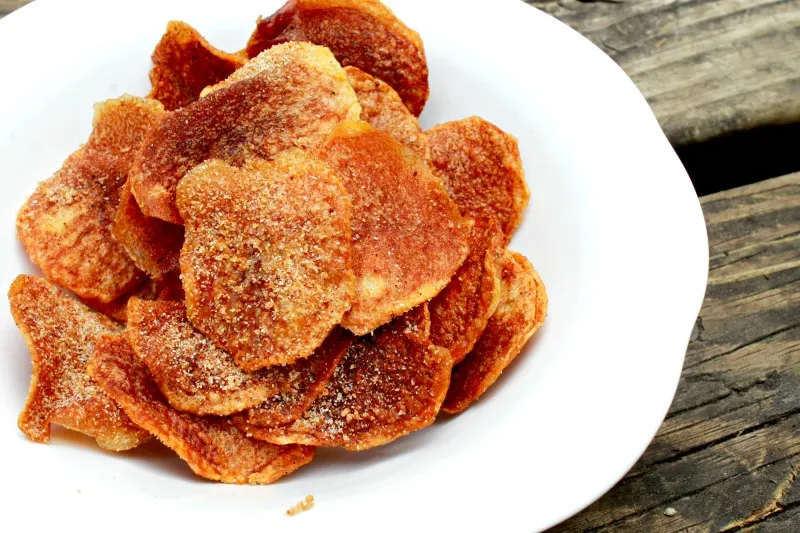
460	312
212	447
408	237
197	377
65	225
388	384
361	33
522	310
290	96
61	334
184	64
482	170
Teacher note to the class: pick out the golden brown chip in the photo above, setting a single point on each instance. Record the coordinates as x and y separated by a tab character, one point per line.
61	333
522	309
389	384
459	313
382	107
153	244
118	309
184	64
197	377
361	33
169	289
267	264
65	224
291	96
212	447
482	170
408	238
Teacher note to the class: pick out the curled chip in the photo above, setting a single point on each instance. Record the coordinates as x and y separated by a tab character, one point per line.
267	263
212	447
197	377
65	225
61	333
153	244
522	309
184	64
290	96
169	289
382	107
285	409
361	33
460	312
482	170
118	309
400	210
389	384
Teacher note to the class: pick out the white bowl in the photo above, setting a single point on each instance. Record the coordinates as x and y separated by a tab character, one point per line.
614	228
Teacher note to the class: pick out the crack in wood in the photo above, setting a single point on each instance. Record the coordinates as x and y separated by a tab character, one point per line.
760	338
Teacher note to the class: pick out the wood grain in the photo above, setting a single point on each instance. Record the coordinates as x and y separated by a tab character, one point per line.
707	67
7	6
727	457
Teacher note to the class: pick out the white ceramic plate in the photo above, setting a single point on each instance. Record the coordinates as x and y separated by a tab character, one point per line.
614	228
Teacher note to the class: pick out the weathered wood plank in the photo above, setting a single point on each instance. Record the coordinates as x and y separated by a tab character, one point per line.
7	6
728	455
707	67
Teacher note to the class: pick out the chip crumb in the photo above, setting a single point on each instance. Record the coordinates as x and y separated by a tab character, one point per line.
301	506
670	511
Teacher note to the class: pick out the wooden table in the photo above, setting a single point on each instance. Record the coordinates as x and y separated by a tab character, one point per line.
727	458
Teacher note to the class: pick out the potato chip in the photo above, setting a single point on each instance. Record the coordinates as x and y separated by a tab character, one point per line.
65	224
153	244
482	170
290	96
382	107
212	447
61	333
184	64
267	264
361	33
522	310
389	384
408	238
118	309
459	313
169	289
197	377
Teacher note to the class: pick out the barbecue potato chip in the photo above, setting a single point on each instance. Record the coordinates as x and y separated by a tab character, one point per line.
65	226
197	377
399	209
184	64
212	447
118	309
153	244
290	96
61	333
522	309
267	263
382	107
482	170
408	238
361	33
460	312
389	384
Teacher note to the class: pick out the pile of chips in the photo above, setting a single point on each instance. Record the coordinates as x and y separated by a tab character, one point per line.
269	253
